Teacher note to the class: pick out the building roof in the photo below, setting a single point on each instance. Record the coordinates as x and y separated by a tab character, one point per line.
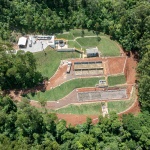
22	41
92	50
51	41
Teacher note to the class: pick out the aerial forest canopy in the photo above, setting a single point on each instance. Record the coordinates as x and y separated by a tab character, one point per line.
18	70
24	127
127	21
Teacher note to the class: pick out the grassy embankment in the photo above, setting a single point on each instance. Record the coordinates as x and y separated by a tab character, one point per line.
106	46
115	80
49	63
64	89
95	108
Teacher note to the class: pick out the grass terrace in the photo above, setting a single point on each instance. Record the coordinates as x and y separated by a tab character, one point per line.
64	89
67	36
81	33
114	80
83	109
49	63
72	44
106	46
95	108
67	87
88	42
119	106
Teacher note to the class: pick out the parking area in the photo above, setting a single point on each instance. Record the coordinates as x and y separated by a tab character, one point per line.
38	45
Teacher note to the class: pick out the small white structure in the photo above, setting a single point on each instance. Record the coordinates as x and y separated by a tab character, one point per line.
51	42
102	83
92	52
50	39
22	43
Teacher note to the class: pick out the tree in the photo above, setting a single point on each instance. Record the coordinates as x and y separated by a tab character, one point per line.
144	80
18	71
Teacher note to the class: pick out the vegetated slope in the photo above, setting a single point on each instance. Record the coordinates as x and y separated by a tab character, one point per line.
49	63
64	89
23	127
128	22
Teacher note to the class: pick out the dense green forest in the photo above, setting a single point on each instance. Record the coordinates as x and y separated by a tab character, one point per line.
127	21
23	127
18	70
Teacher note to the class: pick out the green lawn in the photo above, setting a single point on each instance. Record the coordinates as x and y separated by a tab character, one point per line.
88	42
95	108
119	106
114	80
64	89
83	109
48	64
67	36
108	47
78	33
72	44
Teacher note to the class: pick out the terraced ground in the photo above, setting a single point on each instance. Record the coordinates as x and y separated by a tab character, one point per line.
106	46
49	63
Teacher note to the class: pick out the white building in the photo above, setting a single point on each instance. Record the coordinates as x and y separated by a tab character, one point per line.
22	43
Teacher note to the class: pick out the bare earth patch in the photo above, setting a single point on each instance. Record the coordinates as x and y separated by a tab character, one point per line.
112	66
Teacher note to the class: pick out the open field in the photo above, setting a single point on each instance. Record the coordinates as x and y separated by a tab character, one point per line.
49	63
72	34
119	106
72	44
87	42
114	80
95	108
83	109
67	36
64	89
106	46
78	33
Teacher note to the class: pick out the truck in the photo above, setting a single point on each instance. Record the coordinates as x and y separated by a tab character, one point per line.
69	67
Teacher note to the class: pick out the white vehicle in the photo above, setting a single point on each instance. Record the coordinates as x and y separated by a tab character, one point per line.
68	69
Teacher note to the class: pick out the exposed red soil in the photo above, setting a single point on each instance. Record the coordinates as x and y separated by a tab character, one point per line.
112	66
89	89
130	70
129	88
77	119
58	78
116	65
